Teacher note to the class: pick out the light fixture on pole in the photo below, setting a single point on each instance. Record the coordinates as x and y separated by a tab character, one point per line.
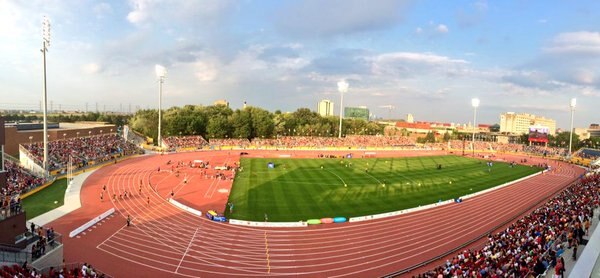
475	104
342	88
161	73
45	45
573	104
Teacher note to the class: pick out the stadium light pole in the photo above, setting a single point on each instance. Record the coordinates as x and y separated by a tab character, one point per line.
342	88
161	73
45	45
475	104
573	104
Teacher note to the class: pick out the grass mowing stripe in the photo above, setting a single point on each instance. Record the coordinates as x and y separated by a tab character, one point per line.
298	189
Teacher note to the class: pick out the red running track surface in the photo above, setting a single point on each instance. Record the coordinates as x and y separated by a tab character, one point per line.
164	241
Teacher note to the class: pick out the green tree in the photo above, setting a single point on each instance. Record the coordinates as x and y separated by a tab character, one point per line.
262	122
241	121
447	136
218	127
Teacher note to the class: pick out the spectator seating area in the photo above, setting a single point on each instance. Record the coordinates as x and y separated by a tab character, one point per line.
229	142
587	153
19	180
533	243
173	143
83	150
356	141
508	148
545	151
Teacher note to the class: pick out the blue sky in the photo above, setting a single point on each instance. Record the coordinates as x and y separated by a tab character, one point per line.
428	58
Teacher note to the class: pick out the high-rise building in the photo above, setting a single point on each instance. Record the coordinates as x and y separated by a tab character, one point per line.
512	122
325	108
410	118
361	112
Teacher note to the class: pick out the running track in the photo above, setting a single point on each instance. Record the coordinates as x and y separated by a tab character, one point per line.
167	242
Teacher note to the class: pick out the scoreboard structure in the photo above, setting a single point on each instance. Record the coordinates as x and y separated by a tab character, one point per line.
538	134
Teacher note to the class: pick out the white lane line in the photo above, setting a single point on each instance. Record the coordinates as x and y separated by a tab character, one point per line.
187	249
111	236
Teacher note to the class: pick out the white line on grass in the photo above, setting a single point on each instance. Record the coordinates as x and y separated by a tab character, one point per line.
343	182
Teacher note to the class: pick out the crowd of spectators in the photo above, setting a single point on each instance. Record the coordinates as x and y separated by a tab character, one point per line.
82	150
508	147
19	180
357	141
230	142
533	243
351	141
46	239
545	151
468	145
588	154
65	271
174	143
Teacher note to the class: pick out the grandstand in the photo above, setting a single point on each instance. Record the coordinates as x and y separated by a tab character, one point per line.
83	151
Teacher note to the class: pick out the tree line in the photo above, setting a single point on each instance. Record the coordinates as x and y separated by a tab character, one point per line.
220	121
116	119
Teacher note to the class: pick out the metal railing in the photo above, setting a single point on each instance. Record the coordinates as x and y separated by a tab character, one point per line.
10	254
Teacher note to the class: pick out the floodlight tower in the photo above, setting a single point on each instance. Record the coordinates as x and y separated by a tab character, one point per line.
475	104
161	74
573	104
342	88
45	45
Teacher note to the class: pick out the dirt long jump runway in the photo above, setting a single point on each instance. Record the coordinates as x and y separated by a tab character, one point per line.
165	241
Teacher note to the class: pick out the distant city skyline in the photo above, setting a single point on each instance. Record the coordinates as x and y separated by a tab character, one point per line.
425	58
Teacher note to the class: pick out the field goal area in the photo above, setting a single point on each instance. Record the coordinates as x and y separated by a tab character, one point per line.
370	154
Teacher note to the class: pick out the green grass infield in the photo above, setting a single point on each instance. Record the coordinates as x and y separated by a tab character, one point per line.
301	189
46	199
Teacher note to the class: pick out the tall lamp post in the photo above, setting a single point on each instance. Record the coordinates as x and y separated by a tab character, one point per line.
475	104
342	88
573	104
161	73
45	45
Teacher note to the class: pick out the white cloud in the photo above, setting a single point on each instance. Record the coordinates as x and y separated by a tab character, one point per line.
11	19
91	68
583	42
585	77
442	29
419	30
427	58
168	12
140	12
206	71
